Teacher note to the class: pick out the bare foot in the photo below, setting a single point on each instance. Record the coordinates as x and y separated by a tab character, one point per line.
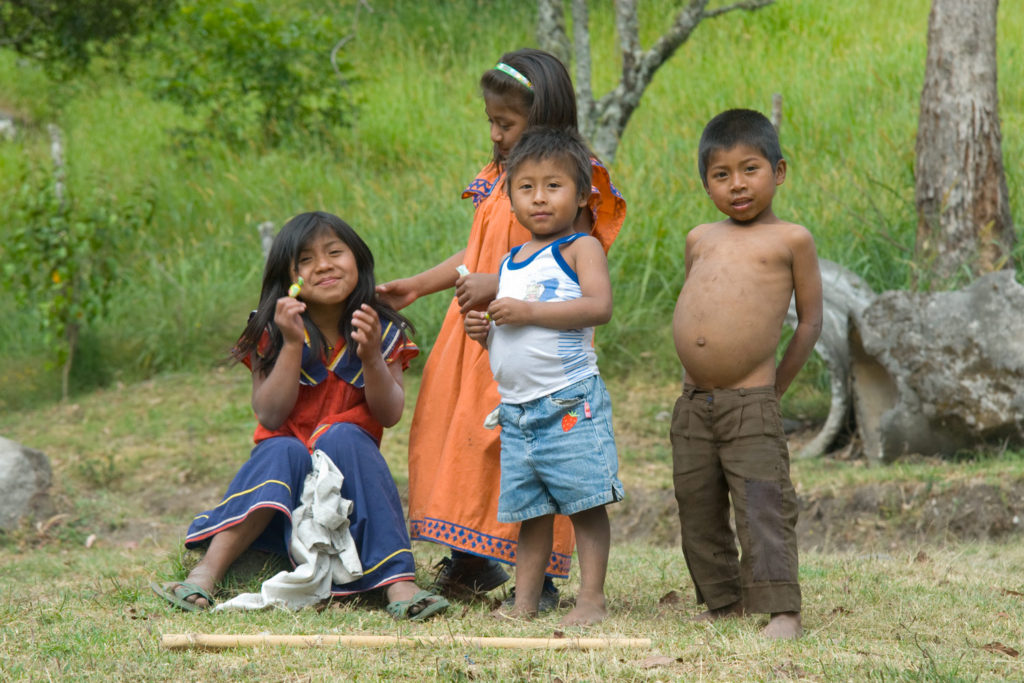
585	614
783	625
729	611
513	613
401	591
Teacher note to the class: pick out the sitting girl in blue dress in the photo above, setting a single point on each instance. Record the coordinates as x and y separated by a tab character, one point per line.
327	359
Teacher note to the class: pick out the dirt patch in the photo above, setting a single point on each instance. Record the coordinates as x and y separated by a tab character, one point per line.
864	516
895	514
868	516
872	516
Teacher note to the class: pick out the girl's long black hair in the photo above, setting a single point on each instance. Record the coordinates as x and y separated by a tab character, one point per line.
277	277
551	102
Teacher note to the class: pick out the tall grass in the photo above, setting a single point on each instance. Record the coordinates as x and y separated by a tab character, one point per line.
849	74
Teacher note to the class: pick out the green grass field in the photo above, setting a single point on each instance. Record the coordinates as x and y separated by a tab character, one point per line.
133	463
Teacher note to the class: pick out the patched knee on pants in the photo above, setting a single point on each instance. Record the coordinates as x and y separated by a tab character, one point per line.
771	556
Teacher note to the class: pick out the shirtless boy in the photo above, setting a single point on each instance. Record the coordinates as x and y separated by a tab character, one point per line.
727	437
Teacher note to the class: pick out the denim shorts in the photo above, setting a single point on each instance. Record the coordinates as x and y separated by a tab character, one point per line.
558	453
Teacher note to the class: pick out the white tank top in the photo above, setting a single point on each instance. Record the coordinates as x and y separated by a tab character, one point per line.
529	361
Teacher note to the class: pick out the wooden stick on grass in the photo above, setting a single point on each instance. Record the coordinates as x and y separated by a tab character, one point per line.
215	641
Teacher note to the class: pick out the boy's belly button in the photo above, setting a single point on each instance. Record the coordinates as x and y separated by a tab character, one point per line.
700	341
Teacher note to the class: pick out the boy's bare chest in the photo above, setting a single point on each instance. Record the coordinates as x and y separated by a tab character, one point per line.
726	263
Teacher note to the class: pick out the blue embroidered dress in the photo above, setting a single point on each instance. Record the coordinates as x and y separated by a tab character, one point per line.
330	414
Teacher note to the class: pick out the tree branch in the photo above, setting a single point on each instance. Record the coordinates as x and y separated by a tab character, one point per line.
686	20
629	36
344	41
749	5
603	121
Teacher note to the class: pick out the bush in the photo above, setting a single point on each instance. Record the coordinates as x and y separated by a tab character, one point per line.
60	257
249	76
64	36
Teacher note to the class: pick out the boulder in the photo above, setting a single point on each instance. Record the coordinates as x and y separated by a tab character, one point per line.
267	231
8	128
844	293
24	483
936	373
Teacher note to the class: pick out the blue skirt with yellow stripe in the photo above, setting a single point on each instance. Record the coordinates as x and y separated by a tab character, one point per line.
273	478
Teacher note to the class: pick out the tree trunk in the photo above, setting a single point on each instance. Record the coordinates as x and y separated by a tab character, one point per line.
964	223
551	29
584	91
60	194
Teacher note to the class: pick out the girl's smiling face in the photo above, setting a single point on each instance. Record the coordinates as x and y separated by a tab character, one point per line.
328	269
508	121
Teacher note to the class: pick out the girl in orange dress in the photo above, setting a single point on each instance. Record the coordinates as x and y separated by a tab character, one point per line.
454	461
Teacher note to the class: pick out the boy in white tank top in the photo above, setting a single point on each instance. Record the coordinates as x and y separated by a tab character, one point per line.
557	447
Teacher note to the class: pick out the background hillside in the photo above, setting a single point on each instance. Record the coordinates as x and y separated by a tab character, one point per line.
850	75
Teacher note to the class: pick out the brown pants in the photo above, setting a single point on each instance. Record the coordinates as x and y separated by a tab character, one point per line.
730	442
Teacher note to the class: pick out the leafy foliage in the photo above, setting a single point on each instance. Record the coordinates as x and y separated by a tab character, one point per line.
60	259
250	75
64	35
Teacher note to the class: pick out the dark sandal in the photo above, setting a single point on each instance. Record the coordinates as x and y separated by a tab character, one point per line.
462	578
550	599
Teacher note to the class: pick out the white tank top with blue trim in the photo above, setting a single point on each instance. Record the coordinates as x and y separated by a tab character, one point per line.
529	361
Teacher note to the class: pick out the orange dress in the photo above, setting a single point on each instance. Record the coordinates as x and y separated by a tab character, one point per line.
454	462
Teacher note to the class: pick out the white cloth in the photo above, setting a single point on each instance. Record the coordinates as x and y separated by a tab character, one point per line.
322	545
530	361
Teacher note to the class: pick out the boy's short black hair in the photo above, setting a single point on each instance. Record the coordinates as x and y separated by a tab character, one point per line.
546	142
735	127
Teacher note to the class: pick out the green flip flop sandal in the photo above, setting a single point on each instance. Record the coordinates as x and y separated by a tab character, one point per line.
428	603
178	593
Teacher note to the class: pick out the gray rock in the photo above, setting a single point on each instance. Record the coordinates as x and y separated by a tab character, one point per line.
940	372
844	294
267	231
8	128
24	483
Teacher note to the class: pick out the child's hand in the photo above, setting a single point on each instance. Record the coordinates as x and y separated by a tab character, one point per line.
477	326
475	291
366	333
288	318
508	311
397	293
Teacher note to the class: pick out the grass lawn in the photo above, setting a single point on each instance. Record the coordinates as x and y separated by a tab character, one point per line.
943	615
132	464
